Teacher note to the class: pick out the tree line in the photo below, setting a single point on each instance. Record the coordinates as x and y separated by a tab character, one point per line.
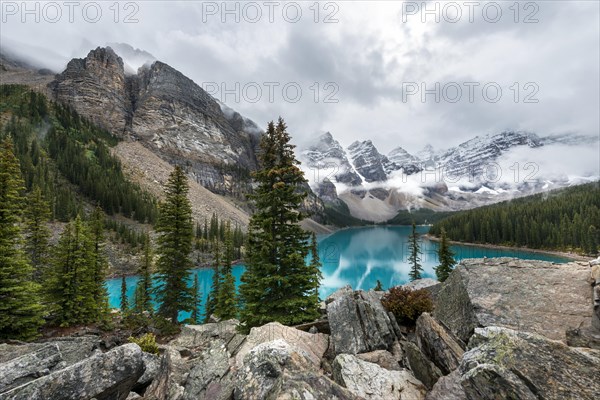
565	219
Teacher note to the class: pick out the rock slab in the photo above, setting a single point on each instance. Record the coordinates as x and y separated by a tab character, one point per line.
507	364
359	323
533	296
370	381
104	376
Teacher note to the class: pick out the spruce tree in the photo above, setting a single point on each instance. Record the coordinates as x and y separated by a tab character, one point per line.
68	282
378	286
100	264
277	284
124	300
37	215
315	263
445	257
226	300
212	302
21	313
414	258
196	301
175	239
143	300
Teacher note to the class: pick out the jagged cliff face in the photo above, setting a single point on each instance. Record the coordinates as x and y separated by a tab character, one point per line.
162	108
96	87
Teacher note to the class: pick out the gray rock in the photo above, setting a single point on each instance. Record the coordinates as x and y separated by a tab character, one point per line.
201	335
313	346
104	376
584	337
447	388
168	384
208	377
383	358
422	368
535	296
437	345
72	349
28	367
277	370
370	381
133	396
359	323
423	283
151	369
504	364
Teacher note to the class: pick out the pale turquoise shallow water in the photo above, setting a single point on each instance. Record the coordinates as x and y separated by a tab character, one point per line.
359	257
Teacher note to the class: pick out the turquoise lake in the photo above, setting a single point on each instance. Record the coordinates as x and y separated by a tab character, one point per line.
359	257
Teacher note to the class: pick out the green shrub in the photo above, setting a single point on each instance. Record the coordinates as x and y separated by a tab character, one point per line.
407	304
147	342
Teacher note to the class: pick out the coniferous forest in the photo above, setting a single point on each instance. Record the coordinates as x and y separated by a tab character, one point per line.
566	219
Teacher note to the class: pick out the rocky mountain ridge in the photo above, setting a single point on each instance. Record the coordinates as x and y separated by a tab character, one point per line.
163	109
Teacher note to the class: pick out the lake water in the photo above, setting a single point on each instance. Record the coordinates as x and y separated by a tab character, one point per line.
359	257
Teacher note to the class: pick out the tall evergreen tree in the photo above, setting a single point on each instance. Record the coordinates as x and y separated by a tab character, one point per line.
69	280
226	300
277	284
196	301
100	264
315	263
212	302
21	313
37	215
124	300
414	257
143	300
445	257
175	239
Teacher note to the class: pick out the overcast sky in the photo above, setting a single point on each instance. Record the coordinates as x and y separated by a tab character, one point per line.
373	58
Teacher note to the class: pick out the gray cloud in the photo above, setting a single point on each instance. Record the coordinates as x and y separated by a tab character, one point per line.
369	54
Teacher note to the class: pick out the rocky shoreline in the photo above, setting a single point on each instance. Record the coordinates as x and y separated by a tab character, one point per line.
501	328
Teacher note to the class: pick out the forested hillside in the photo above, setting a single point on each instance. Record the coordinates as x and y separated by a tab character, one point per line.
53	142
565	219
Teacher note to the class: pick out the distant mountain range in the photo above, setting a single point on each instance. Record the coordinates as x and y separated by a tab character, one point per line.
376	186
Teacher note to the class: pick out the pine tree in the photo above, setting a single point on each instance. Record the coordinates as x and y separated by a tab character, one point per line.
212	302
124	300
445	257
143	300
315	263
378	286
37	215
277	284
69	283
175	239
226	300
196	301
21	313
100	265
414	258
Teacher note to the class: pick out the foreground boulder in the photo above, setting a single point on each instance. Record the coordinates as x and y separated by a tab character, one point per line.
534	296
359	323
507	364
104	376
312	345
370	381
278	370
28	367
